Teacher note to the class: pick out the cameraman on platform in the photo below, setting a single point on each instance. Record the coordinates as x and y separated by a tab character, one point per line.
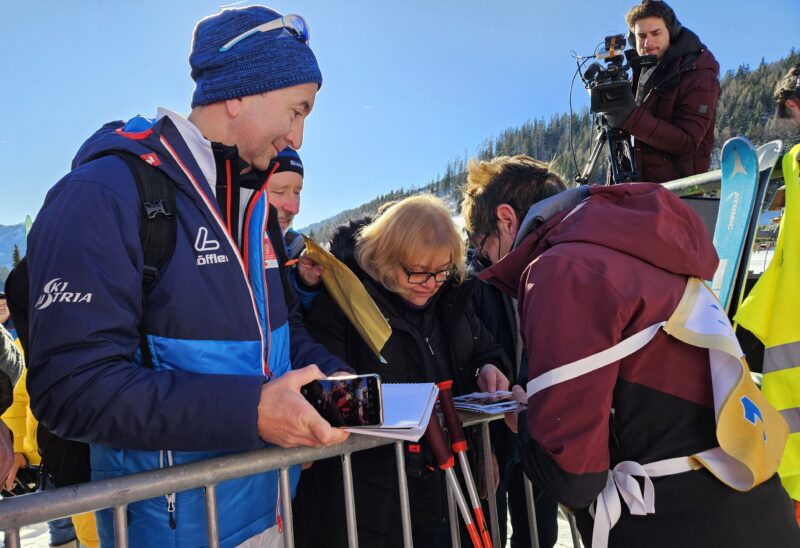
671	109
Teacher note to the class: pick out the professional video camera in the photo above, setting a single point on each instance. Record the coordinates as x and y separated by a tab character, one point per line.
608	87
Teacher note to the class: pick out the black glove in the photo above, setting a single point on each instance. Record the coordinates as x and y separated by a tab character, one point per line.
617	117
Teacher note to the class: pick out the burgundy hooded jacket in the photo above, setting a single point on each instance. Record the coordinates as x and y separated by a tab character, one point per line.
673	128
586	278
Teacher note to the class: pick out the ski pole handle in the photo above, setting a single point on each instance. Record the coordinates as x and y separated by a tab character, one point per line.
457	439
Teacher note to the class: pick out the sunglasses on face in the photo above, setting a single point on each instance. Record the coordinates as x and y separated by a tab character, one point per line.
418	278
295	24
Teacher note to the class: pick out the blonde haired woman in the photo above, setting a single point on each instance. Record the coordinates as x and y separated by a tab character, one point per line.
411	260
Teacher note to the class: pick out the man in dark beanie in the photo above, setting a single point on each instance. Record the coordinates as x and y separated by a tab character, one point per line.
787	96
210	371
672	106
285	187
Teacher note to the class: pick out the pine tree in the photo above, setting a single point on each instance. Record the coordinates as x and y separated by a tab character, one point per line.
16	257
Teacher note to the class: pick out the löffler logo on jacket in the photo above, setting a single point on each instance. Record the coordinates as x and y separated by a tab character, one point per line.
55	291
205	244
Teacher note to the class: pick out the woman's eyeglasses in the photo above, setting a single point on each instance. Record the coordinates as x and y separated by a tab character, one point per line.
295	24
418	278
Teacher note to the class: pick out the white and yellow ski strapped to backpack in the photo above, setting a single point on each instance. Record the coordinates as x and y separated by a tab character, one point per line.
750	432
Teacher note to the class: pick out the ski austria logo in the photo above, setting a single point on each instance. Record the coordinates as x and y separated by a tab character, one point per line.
206	245
55	291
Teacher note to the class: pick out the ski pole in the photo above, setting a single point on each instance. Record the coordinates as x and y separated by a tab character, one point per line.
459	444
444	458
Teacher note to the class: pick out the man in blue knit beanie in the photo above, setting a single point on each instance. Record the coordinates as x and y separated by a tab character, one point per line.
217	366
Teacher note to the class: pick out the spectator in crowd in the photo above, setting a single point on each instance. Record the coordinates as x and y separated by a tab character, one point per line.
19	419
496	312
591	267
411	261
284	189
10	371
216	322
671	117
787	96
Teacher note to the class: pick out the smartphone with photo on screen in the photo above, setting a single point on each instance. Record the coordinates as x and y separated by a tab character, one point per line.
348	401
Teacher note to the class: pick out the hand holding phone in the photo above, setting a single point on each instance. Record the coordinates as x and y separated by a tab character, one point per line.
347	401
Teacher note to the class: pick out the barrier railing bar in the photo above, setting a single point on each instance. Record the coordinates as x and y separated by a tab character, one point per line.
488	477
349	501
286	509
531	505
121	526
405	508
455	534
694	184
16	512
212	525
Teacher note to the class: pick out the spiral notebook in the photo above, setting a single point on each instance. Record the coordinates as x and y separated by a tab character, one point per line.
407	409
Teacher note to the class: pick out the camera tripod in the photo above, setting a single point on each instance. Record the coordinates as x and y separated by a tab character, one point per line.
620	155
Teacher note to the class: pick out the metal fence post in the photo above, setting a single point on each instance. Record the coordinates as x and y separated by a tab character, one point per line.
212	529
573	528
12	538
531	503
489	478
286	509
121	526
349	502
402	480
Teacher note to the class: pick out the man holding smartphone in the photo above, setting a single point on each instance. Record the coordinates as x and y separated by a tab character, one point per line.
216	322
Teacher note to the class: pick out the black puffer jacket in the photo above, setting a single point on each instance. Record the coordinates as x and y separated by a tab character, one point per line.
445	341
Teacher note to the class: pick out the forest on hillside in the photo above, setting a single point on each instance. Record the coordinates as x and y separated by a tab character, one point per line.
745	107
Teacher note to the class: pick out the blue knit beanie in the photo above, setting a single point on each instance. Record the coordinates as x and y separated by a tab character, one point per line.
288	160
264	61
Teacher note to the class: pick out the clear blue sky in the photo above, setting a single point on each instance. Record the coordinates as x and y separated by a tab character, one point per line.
407	85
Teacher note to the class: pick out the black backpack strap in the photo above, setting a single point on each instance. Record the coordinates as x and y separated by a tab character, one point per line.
159	225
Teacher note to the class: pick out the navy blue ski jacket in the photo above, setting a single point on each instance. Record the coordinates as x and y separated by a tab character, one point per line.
217	328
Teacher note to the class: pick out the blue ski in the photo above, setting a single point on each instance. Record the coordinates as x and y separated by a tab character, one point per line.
737	196
768	156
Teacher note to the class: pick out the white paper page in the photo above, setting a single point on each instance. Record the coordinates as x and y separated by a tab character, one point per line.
407	409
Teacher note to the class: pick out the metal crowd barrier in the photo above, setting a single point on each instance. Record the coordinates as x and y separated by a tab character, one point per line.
117	493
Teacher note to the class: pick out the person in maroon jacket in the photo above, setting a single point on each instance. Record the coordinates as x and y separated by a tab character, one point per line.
590	267
672	106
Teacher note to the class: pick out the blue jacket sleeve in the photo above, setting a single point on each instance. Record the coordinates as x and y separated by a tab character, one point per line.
305	350
305	296
86	303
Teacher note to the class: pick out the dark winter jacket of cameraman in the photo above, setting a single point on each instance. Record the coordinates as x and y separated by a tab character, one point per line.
673	126
672	116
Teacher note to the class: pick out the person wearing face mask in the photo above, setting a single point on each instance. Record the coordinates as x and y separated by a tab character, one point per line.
411	262
671	107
